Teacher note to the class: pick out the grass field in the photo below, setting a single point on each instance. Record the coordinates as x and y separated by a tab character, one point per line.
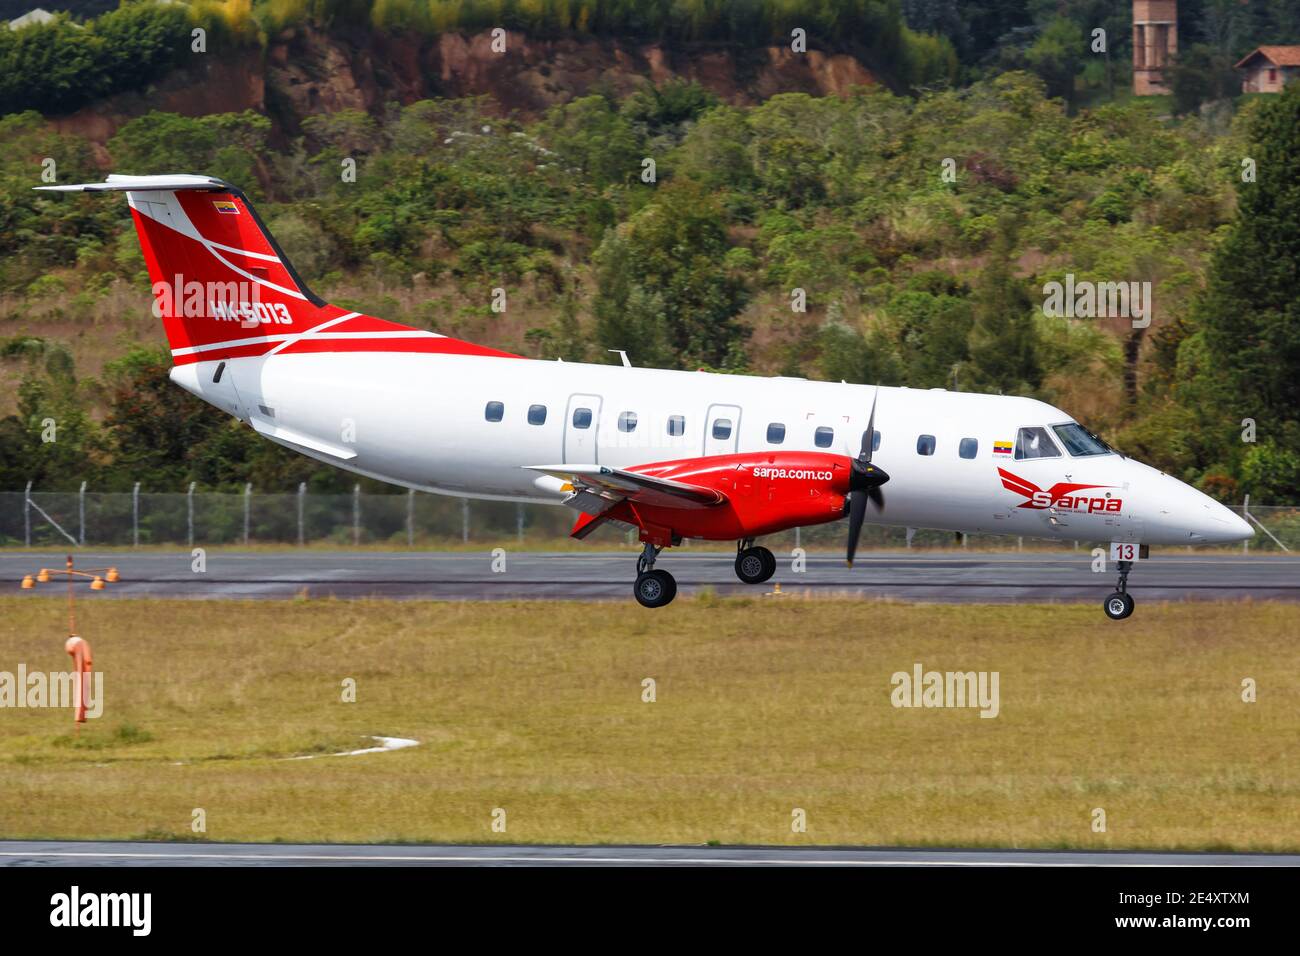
763	706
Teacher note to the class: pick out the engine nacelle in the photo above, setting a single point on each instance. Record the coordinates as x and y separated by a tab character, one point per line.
766	492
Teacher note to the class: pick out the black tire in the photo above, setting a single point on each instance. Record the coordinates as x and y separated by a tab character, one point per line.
654	588
755	565
1118	605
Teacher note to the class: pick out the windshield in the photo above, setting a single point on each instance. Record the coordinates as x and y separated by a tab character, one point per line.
1080	442
1035	443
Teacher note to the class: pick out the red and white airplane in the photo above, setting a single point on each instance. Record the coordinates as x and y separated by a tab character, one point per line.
673	454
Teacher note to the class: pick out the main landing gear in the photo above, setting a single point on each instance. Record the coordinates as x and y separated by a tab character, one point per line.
652	588
1119	604
655	588
754	565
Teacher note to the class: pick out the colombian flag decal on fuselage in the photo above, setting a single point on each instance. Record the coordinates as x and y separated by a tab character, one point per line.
226	206
1002	448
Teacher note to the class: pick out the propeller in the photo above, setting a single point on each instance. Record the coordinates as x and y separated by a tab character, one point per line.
865	480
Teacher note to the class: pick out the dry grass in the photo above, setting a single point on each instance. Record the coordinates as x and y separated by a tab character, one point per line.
763	705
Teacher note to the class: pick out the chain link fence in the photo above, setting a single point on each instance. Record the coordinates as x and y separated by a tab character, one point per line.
425	522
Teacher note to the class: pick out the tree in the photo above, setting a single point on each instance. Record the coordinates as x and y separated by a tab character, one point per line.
1199	75
664	292
589	134
1057	57
933	333
51	441
1003	339
152	426
1249	317
667	107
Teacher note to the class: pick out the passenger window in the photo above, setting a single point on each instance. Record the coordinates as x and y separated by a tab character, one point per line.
582	418
823	437
970	447
775	433
875	439
925	444
494	411
627	421
676	426
722	428
1035	443
537	414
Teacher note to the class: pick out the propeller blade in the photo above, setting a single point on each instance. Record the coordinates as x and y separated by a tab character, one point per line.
869	436
865	480
857	512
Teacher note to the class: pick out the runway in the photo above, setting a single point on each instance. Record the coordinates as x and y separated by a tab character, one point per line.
943	577
45	854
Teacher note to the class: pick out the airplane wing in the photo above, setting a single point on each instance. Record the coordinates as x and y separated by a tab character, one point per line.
618	484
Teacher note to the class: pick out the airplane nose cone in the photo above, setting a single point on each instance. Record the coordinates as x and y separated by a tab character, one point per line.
1176	513
1216	524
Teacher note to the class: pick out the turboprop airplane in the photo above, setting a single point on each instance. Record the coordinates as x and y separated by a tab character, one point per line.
674	455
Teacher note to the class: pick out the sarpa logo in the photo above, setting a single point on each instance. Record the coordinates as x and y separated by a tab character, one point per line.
74	908
1062	496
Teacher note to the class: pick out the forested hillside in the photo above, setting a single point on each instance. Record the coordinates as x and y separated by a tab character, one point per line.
901	232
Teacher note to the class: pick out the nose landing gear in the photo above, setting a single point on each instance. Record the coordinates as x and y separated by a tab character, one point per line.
652	588
1119	604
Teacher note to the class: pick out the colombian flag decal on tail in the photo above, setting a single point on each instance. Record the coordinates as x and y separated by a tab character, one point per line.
226	206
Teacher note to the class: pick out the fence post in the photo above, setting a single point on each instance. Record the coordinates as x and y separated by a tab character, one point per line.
519	521
27	515
464	520
189	511
302	497
81	515
410	517
1245	513
356	514
248	510
135	515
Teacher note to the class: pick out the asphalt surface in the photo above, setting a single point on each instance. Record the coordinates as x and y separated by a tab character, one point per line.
42	853
945	577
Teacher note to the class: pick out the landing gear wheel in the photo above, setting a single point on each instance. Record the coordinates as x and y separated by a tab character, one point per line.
654	588
755	565
1119	605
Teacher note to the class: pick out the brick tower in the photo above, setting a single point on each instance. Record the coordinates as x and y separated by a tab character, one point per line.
1155	42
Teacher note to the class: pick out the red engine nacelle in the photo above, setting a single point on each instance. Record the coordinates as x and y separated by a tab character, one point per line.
765	492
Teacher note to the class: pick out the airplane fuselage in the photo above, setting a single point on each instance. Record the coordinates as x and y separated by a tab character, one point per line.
472	425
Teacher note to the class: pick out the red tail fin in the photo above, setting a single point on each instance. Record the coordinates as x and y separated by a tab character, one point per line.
224	288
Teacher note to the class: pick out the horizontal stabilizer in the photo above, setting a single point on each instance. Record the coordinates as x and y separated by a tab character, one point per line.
116	183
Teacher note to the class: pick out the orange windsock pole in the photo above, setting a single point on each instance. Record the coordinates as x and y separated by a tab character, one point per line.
76	646
82	664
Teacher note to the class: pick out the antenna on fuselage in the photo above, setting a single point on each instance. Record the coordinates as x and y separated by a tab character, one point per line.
627	363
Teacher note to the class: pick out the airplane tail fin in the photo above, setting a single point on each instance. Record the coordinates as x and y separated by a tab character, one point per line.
224	288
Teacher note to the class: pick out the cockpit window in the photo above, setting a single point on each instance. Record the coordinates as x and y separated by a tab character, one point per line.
1035	443
1080	442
